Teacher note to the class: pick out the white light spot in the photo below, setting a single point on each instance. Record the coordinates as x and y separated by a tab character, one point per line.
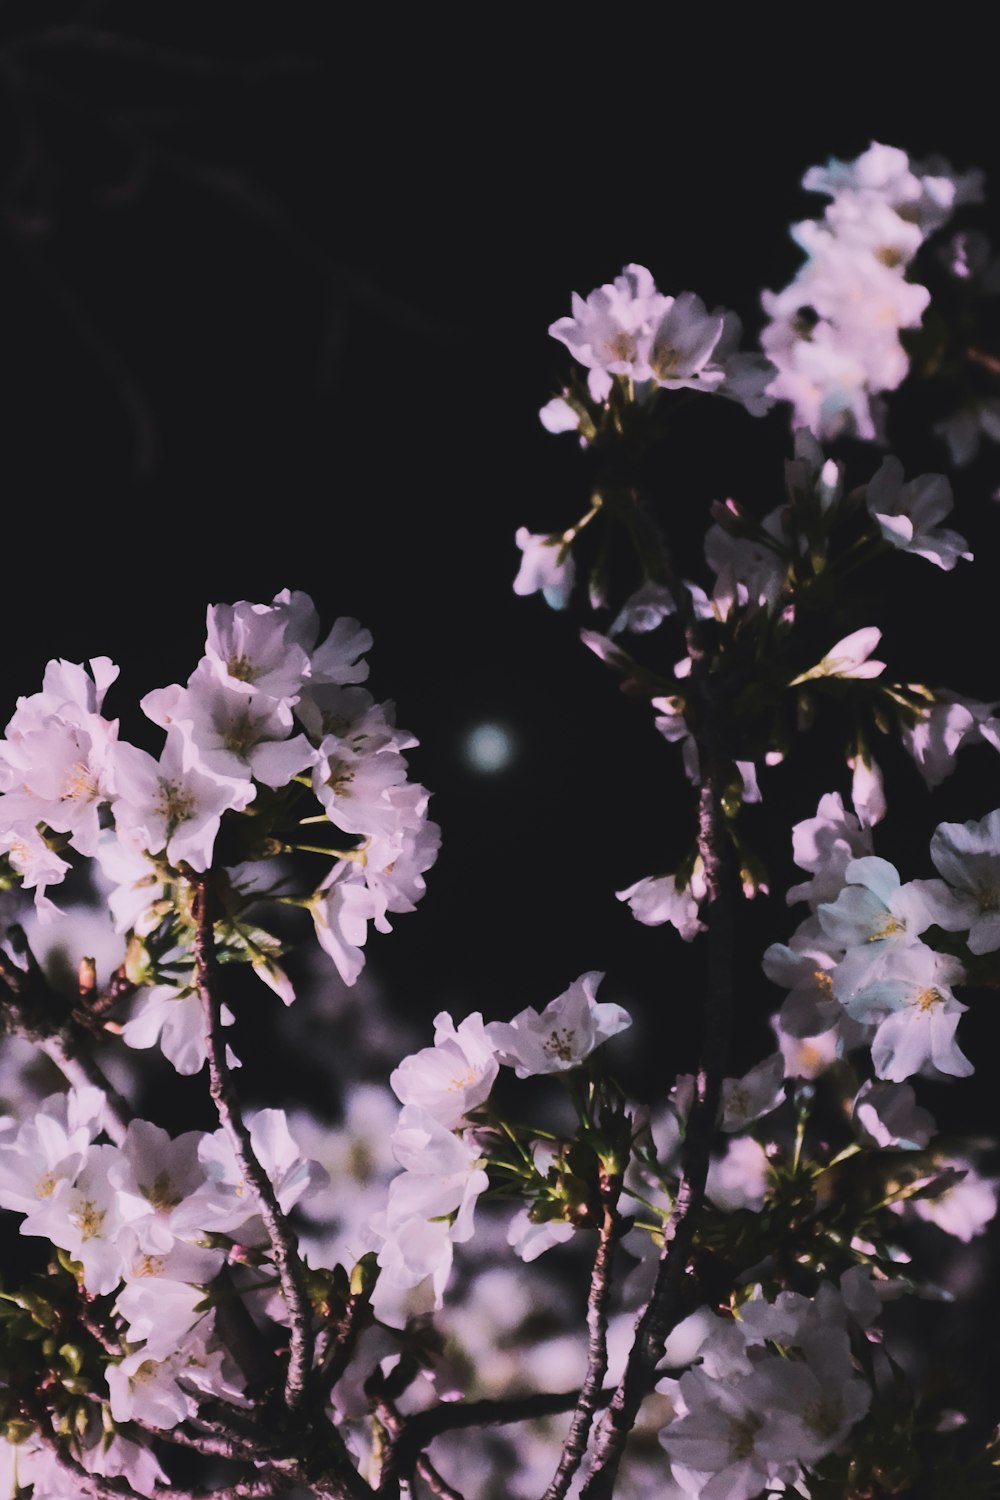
488	747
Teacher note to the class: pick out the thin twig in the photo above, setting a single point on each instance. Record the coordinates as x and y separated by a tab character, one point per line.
391	1477
33	1009
667	1302
457	1416
117	1488
282	1237
204	1442
343	1341
670	1295
597	1344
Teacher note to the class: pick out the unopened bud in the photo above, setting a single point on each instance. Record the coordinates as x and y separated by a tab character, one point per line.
365	1275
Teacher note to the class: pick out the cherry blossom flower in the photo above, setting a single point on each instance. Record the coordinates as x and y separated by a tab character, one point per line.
230	733
850	657
172	807
563	1035
911	1001
757	1093
547	566
610	332
452	1077
968	856
887	1114
658	898
824	846
964	1208
907	514
161	1014
875	914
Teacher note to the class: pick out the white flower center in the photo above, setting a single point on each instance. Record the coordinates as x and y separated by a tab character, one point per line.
81	785
560	1044
88	1219
176	804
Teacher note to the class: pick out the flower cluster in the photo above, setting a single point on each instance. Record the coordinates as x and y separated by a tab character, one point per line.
150	1223
834	332
444	1090
860	959
776	1389
270	715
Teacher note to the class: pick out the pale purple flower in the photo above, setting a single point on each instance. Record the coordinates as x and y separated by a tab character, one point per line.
547	566
341	910
757	1093
683	341
916	1014
942	728
824	846
257	648
965	1207
563	1035
659	898
610	332
452	1077
740	1177
161	1014
850	657
968	856
867	788
529	1240
887	1114
229	732
876	914
907	514
172	807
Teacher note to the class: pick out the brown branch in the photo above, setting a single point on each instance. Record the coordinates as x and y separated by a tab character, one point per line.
283	1240
98	1328
981	357
597	1344
667	1302
33	1009
456	1416
203	1442
343	1341
117	1488
389	1481
92	1006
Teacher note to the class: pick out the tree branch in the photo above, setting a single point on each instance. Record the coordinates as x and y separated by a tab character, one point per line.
33	1009
392	1473
597	1345
117	1488
667	1302
282	1237
455	1416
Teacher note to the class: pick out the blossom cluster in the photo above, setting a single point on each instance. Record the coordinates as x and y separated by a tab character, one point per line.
629	329
442	1156
859	960
151	1222
270	715
834	332
775	1390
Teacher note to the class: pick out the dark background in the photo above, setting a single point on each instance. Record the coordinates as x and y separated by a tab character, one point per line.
277	288
277	280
